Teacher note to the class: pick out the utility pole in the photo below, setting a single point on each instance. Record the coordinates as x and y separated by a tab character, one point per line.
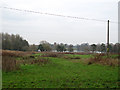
108	36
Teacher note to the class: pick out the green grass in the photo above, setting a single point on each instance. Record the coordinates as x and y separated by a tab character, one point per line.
62	73
38	54
113	56
81	56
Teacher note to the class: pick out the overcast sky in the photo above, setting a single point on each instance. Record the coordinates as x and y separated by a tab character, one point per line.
37	27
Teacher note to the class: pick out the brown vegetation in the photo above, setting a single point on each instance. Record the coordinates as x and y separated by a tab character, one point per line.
9	64
40	61
102	59
16	53
68	57
51	54
76	53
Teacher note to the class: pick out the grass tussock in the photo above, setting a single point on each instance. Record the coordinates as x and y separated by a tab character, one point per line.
102	59
9	64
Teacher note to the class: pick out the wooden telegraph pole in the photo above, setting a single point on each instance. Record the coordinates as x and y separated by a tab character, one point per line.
108	36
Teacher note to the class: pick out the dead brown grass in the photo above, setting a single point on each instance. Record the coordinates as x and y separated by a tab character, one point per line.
16	53
12	53
9	64
99	59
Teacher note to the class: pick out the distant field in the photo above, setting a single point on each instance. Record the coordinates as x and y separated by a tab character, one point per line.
51	70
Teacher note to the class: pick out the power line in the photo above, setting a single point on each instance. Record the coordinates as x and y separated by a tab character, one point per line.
31	11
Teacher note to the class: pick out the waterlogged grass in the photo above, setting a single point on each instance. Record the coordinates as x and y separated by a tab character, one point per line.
62	73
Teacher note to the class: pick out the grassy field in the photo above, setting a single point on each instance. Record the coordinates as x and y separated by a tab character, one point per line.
60	71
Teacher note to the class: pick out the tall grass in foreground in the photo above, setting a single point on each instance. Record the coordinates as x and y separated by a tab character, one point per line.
9	64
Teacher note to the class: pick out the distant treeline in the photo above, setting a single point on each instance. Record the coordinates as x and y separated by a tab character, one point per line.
13	42
85	47
16	42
